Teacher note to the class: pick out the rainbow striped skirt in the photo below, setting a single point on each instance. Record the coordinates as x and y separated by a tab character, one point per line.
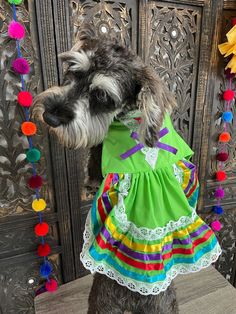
143	229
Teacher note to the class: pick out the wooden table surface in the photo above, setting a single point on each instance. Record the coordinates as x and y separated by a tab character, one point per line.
205	292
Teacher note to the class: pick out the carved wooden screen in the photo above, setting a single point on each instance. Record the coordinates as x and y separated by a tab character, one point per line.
179	39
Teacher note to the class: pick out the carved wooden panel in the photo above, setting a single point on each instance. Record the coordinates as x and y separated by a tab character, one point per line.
227	236
18	283
116	18
174	37
18	243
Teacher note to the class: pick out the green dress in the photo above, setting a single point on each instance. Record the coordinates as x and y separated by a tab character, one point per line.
143	229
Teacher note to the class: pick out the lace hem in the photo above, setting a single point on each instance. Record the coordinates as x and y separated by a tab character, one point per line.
132	284
143	233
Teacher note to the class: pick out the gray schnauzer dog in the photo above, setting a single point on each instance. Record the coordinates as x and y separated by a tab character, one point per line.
104	81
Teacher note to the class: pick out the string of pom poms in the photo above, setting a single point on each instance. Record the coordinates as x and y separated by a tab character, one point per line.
20	65
226	118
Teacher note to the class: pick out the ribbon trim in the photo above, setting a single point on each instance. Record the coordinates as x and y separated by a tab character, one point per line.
158	144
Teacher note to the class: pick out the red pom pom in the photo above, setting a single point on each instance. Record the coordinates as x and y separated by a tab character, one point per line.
44	249
51	285
224	137
41	229
25	99
16	30
35	182
234	21
221	176
223	156
228	95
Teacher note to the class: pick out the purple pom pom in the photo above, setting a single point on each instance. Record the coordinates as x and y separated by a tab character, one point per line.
219	193
21	66
16	30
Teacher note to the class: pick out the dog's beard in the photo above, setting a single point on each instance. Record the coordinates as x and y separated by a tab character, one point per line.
85	130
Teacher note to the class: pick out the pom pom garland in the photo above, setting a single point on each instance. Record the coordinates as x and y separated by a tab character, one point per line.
21	66
234	21
16	2
224	137
45	269
28	128
225	49
16	30
228	95
44	249
51	285
218	210
223	156
219	193
216	225
33	155
221	176
35	182
39	205
41	229
227	116
25	98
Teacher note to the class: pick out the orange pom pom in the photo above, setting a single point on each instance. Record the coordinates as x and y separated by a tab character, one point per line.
28	128
224	137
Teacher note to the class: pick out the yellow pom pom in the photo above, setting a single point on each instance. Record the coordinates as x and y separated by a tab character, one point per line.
39	205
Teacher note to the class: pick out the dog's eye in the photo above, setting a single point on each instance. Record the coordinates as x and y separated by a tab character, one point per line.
100	101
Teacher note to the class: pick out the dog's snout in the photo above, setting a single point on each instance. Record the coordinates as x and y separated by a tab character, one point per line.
51	120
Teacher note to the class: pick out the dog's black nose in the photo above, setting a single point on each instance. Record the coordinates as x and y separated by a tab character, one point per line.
51	120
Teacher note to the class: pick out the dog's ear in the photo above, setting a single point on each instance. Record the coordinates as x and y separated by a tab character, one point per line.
154	100
76	60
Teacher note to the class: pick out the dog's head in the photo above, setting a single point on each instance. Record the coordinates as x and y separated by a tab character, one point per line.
102	80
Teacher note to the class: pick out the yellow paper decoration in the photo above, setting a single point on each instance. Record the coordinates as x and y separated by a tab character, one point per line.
39	205
229	48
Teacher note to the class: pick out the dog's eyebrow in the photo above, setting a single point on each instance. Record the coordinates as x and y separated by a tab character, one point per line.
108	83
79	60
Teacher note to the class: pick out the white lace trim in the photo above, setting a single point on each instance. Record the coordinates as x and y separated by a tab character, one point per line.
151	154
132	284
178	172
143	233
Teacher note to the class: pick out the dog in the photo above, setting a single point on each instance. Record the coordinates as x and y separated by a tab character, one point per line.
103	81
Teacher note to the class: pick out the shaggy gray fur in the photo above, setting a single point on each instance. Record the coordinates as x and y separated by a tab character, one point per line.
108	297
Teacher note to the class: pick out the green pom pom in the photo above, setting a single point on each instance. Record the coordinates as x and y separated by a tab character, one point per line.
33	155
16	2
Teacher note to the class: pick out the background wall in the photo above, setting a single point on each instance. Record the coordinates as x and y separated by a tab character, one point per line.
179	39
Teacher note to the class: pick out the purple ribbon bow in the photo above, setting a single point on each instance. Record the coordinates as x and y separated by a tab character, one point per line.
158	144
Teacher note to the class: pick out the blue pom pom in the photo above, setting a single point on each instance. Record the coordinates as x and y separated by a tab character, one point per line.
45	269
218	210
227	116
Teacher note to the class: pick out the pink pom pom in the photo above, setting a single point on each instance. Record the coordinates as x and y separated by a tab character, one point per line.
21	66
16	30
51	285
216	225
219	193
